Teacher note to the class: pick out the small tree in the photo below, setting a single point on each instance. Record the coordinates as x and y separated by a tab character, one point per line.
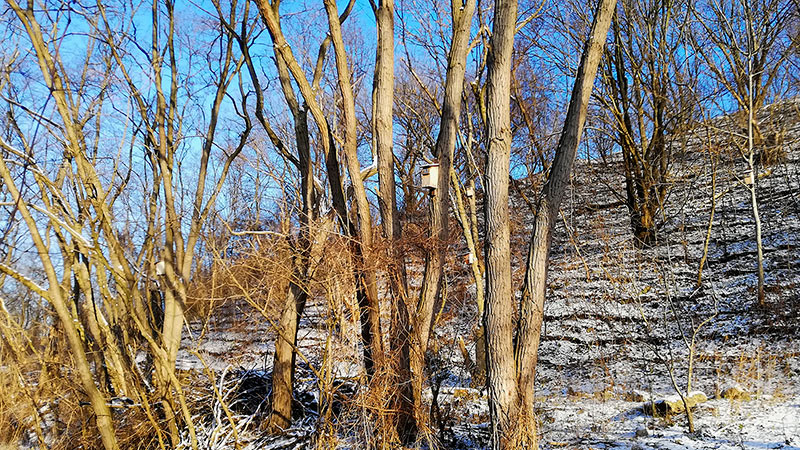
744	46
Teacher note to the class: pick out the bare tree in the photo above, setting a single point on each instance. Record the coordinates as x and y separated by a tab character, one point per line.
744	47
649	94
512	360
723	29
361	231
423	315
107	294
283	373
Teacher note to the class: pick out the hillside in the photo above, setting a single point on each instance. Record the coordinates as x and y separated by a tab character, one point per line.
618	317
601	283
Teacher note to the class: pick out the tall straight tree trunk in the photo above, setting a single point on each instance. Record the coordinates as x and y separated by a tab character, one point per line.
368	293
402	400
512	365
751	163
499	309
382	109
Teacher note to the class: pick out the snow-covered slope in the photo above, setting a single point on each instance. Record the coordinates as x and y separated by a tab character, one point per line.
618	318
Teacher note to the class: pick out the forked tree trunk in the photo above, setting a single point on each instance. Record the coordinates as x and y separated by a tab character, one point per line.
365	280
645	161
512	365
283	369
368	291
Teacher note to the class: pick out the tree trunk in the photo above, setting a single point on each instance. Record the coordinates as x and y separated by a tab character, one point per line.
469	229
283	366
402	399
752	163
499	312
368	294
440	198
366	288
511	367
283	369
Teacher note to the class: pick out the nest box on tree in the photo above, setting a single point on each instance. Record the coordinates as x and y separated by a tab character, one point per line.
469	258
430	175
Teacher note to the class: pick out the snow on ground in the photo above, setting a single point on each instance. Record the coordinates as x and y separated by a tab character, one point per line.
720	424
616	317
769	422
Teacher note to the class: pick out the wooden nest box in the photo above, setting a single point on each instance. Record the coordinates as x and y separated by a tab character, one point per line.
469	258
430	175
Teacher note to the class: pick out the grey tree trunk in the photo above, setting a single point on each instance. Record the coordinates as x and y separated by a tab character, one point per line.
402	400
499	309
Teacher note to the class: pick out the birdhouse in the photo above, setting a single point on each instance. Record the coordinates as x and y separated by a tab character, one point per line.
748	179
430	175
160	268
469	192
469	258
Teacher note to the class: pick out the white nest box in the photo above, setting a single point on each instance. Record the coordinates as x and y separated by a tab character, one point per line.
469	192
430	176
160	268
469	258
748	179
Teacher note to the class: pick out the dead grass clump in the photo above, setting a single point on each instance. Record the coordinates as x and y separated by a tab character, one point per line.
773	152
12	410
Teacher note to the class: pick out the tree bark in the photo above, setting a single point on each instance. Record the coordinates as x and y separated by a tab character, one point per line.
366	289
511	365
368	295
422	321
499	311
283	366
283	370
400	332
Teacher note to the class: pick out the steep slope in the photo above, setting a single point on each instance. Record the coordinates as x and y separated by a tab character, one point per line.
615	311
